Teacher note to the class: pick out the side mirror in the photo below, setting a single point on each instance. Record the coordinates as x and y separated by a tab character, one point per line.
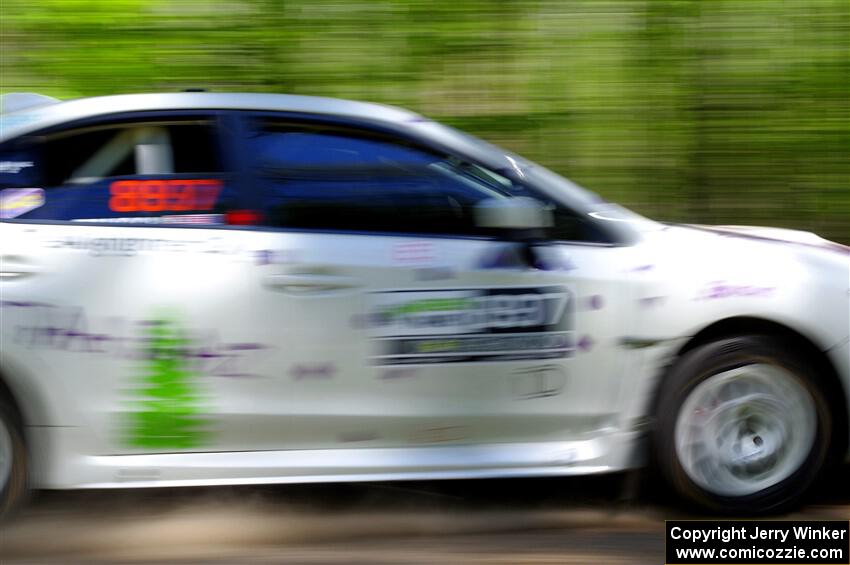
519	213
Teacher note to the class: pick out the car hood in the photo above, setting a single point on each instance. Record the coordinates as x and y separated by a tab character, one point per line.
708	273
774	235
748	256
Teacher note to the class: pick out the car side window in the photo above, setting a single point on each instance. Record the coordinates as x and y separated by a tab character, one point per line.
332	178
135	172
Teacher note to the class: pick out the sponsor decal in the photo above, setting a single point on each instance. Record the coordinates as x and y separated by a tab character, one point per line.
14	167
182	219
414	253
313	372
720	289
16	202
155	195
130	246
168	407
67	329
585	343
471	324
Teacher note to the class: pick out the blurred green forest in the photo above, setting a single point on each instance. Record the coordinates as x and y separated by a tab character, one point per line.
717	111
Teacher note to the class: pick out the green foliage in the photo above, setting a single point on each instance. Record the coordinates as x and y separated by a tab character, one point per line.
721	111
167	413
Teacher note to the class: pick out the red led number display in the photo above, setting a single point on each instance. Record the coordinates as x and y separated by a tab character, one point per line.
175	195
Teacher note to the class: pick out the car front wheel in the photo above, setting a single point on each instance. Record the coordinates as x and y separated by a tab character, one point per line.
742	426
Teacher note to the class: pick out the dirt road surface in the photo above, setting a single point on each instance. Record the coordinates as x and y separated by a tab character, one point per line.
604	520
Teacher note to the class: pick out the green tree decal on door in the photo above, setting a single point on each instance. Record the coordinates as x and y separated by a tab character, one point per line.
167	412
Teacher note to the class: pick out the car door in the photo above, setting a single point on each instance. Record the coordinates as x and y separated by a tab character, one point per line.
398	322
122	288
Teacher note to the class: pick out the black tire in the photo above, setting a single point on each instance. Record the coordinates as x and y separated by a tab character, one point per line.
14	489
700	365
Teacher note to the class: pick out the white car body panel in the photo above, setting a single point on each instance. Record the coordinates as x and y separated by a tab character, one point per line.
284	339
262	402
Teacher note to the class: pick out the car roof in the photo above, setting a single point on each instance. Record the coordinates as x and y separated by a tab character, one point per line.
49	114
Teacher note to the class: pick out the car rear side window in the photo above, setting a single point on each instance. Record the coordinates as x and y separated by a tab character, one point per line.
330	178
140	172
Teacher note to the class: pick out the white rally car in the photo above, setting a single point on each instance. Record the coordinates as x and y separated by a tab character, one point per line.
203	289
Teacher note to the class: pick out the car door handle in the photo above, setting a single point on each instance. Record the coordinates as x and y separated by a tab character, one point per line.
310	282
